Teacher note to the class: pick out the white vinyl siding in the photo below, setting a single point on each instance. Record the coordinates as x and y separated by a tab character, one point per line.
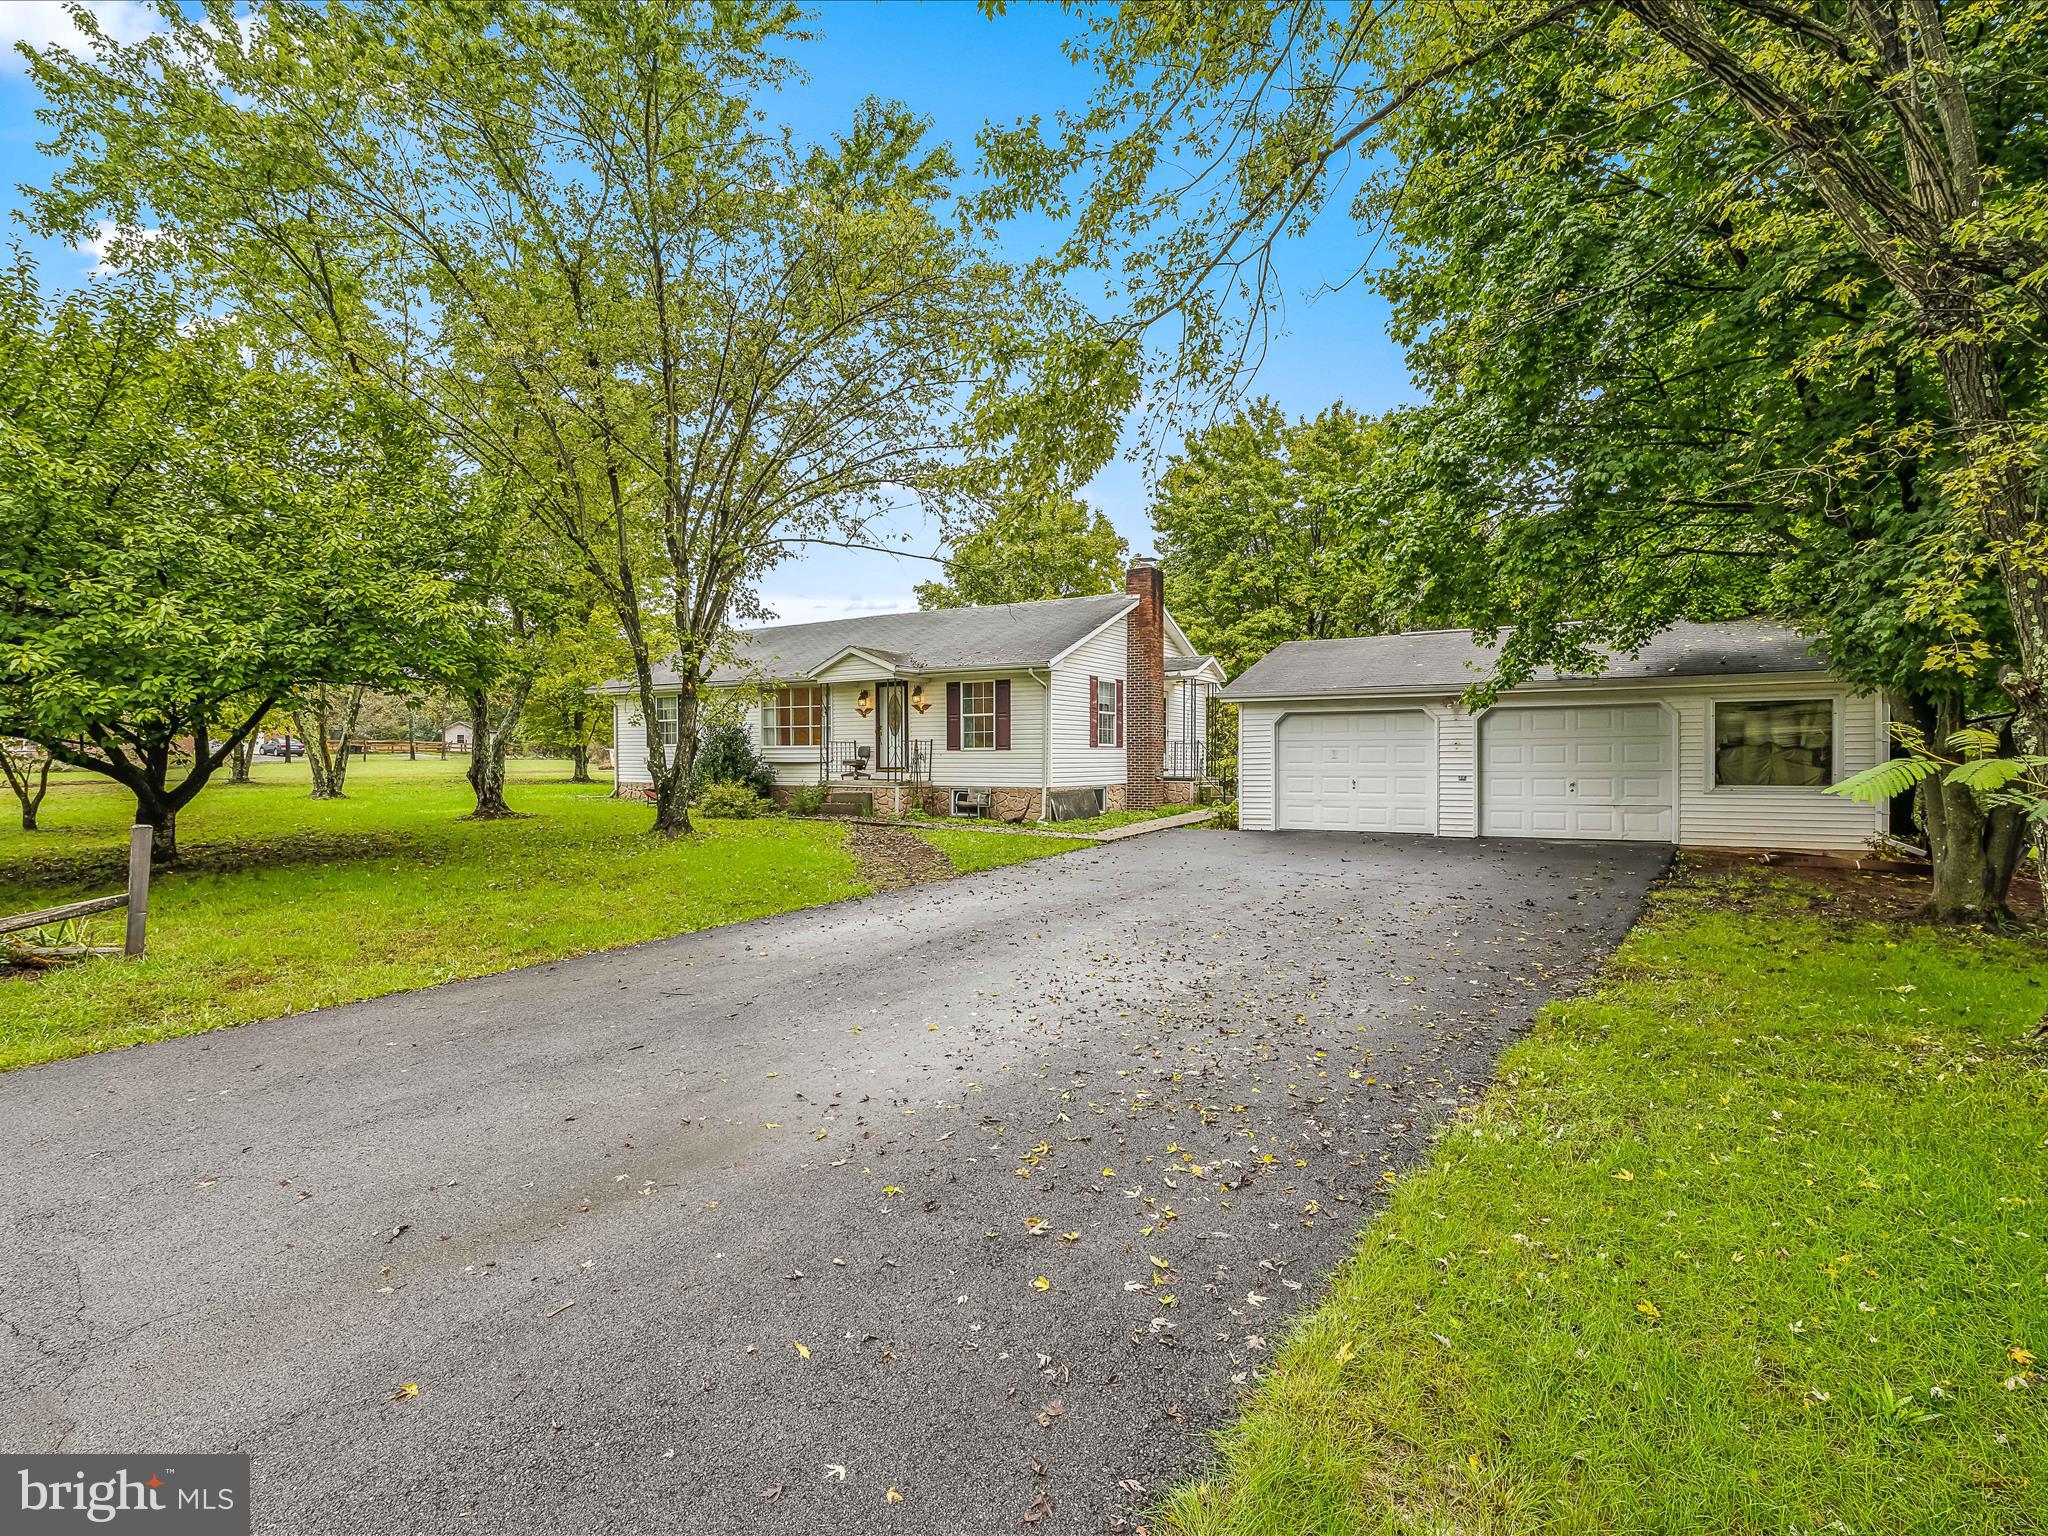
1074	762
1729	816
629	744
1707	816
1255	723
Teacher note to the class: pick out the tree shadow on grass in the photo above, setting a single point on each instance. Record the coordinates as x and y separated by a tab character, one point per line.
108	867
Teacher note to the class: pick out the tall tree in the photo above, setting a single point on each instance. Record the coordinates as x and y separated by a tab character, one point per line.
566	238
1272	530
1891	129
1032	545
194	529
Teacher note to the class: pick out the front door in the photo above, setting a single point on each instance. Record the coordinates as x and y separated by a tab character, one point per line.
892	727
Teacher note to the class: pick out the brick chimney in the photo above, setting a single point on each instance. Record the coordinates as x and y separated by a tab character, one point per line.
1145	690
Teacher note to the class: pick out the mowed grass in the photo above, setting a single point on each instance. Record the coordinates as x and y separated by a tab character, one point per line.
972	851
283	903
1752	1239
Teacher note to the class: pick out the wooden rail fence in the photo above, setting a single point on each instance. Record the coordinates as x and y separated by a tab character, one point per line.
135	899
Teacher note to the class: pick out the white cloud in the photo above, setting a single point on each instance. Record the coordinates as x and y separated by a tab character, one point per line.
47	23
107	236
808	609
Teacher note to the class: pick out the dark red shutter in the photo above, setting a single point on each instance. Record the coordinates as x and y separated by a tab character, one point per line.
952	717
1093	717
1002	714
1119	711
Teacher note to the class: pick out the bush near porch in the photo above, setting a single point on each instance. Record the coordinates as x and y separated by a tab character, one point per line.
283	903
1753	1238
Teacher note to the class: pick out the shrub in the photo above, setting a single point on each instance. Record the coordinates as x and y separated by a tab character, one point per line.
726	755
808	800
727	798
1225	817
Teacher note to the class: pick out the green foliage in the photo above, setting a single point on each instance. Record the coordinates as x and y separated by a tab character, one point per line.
807	799
1271	530
726	755
729	799
1743	1239
1887	780
195	526
571	241
1032	546
1721	308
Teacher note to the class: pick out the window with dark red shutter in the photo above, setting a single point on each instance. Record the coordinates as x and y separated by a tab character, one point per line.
1119	711
1002	714
952	717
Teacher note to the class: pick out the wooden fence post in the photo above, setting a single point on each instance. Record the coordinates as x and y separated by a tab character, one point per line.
139	838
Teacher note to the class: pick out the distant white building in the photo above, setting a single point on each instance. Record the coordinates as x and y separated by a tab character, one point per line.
456	737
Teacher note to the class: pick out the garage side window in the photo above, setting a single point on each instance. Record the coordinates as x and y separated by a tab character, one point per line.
1789	743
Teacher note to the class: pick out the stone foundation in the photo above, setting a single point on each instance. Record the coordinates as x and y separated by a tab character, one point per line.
1178	792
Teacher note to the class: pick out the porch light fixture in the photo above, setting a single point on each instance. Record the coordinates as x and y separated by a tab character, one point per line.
918	701
865	704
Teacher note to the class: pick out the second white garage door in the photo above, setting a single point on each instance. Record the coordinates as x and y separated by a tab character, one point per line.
1364	771
1602	773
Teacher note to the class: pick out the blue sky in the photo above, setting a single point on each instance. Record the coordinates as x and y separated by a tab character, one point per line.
961	69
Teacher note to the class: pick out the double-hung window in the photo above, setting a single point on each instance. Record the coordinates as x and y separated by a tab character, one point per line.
1105	711
795	717
668	715
1786	743
977	715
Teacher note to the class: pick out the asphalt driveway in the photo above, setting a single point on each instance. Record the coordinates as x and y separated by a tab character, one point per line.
990	1193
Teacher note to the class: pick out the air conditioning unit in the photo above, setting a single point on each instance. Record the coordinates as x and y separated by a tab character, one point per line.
970	802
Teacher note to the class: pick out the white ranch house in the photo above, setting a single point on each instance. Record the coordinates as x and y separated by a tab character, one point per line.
1711	736
1049	710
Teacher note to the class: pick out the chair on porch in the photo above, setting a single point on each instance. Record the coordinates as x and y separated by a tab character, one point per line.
843	761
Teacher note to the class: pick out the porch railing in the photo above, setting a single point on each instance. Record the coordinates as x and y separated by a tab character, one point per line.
840	761
1187	758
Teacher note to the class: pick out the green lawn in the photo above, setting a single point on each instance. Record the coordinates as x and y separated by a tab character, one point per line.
1100	823
1752	1239
970	850
285	903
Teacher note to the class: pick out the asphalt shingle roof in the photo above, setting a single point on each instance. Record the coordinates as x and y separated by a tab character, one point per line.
1451	660
929	640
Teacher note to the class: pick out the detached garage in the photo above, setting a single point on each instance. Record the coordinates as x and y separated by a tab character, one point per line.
1713	736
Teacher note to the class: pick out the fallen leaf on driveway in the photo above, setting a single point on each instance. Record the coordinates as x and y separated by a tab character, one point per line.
1041	1284
832	1471
410	1389
802	1353
1049	1412
770	1493
894	1497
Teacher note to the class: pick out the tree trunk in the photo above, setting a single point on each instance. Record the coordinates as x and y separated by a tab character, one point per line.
491	733
242	759
2001	467
327	724
672	789
1974	850
579	747
18	775
155	811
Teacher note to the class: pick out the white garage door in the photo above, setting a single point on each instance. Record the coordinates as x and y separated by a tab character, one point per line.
1576	773
1371	771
